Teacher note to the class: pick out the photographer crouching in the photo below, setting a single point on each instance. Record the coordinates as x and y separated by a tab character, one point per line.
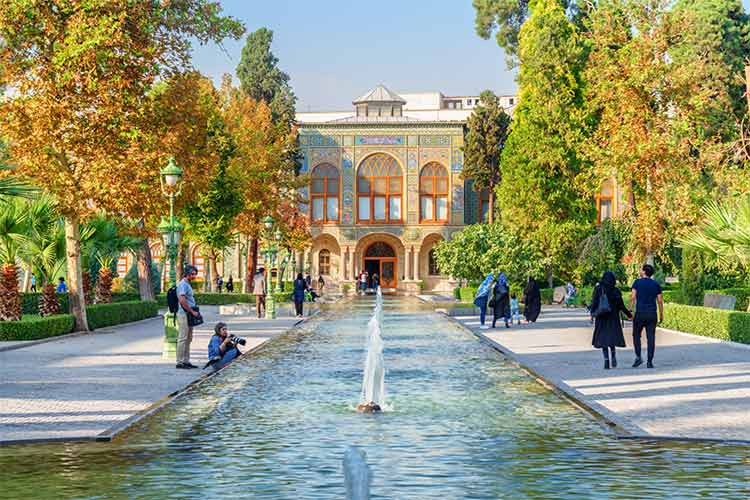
222	348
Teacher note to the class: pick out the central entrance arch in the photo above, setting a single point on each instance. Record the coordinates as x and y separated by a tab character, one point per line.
380	258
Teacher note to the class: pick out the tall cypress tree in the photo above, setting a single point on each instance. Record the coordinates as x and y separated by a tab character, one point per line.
487	131
540	193
261	78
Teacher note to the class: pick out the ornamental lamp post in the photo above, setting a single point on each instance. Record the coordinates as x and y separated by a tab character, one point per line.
170	180
269	257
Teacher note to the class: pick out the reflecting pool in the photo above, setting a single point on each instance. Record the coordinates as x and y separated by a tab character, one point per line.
464	423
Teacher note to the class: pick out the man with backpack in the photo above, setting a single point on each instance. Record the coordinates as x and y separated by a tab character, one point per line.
187	306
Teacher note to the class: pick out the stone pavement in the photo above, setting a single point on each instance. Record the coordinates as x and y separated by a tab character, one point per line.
79	387
700	388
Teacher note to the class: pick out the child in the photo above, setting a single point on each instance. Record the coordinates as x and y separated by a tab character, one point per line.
515	315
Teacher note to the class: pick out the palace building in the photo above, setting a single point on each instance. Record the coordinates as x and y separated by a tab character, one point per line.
386	187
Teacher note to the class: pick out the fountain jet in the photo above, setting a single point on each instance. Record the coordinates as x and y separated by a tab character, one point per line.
356	474
373	382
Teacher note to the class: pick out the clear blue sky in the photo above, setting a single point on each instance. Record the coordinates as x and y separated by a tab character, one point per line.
335	50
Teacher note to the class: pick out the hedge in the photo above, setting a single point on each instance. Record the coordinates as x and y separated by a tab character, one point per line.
30	301
101	315
35	327
219	299
742	294
708	322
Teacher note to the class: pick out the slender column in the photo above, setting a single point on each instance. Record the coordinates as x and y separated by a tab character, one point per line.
345	264
416	264
353	263
407	263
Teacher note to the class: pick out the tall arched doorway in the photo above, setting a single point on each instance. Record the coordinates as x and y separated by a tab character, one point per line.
380	258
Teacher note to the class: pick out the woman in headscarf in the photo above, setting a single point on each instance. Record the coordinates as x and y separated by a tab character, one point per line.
606	312
480	300
532	300
298	295
501	301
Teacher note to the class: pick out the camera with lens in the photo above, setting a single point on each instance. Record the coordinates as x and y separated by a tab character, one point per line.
237	340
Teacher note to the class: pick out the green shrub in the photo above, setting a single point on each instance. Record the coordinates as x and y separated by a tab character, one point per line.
717	323
742	294
346	288
674	296
214	299
547	295
457	293
130	282
30	301
467	293
101	315
691	278
35	327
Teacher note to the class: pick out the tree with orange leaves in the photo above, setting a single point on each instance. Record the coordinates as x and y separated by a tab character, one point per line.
267	176
77	73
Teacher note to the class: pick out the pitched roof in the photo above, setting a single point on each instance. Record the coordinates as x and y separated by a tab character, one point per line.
380	94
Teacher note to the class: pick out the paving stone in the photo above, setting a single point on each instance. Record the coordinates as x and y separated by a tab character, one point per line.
700	387
79	387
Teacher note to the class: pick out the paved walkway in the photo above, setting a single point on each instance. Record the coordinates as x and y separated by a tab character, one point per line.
699	389
81	386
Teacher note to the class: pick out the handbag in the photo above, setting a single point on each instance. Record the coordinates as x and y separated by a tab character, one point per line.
491	303
603	307
194	320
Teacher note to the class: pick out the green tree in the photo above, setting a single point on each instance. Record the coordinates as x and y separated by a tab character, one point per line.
603	251
479	249
211	217
723	235
506	17
541	193
261	78
487	131
104	242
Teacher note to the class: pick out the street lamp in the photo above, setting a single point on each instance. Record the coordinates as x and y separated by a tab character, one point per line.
269	257
170	180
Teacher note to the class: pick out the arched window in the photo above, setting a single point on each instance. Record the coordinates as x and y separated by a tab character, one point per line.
324	262
433	193
379	190
605	202
324	194
432	264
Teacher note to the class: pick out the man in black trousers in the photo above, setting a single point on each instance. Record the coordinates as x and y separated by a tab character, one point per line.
645	297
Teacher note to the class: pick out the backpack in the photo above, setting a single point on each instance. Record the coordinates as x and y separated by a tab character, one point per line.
173	302
603	307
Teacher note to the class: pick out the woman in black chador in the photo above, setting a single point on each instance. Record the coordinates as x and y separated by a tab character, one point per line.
532	300
607	329
501	301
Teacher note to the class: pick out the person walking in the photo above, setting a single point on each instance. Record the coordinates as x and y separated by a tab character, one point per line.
363	282
219	283
375	281
308	280
501	301
646	295
300	286
230	284
481	298
532	300
33	283
187	306
606	306
259	289
321	285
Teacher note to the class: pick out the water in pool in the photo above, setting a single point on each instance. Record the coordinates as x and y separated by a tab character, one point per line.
463	424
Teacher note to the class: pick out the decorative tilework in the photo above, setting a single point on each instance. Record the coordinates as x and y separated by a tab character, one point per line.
412	218
439	155
329	155
304	140
411	160
434	140
348	234
457	140
457	163
347	159
324	140
413	140
379	140
458	197
347	215
348	140
305	162
412	234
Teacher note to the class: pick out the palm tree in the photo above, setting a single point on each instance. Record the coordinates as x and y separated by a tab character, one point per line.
44	250
723	236
105	244
13	229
